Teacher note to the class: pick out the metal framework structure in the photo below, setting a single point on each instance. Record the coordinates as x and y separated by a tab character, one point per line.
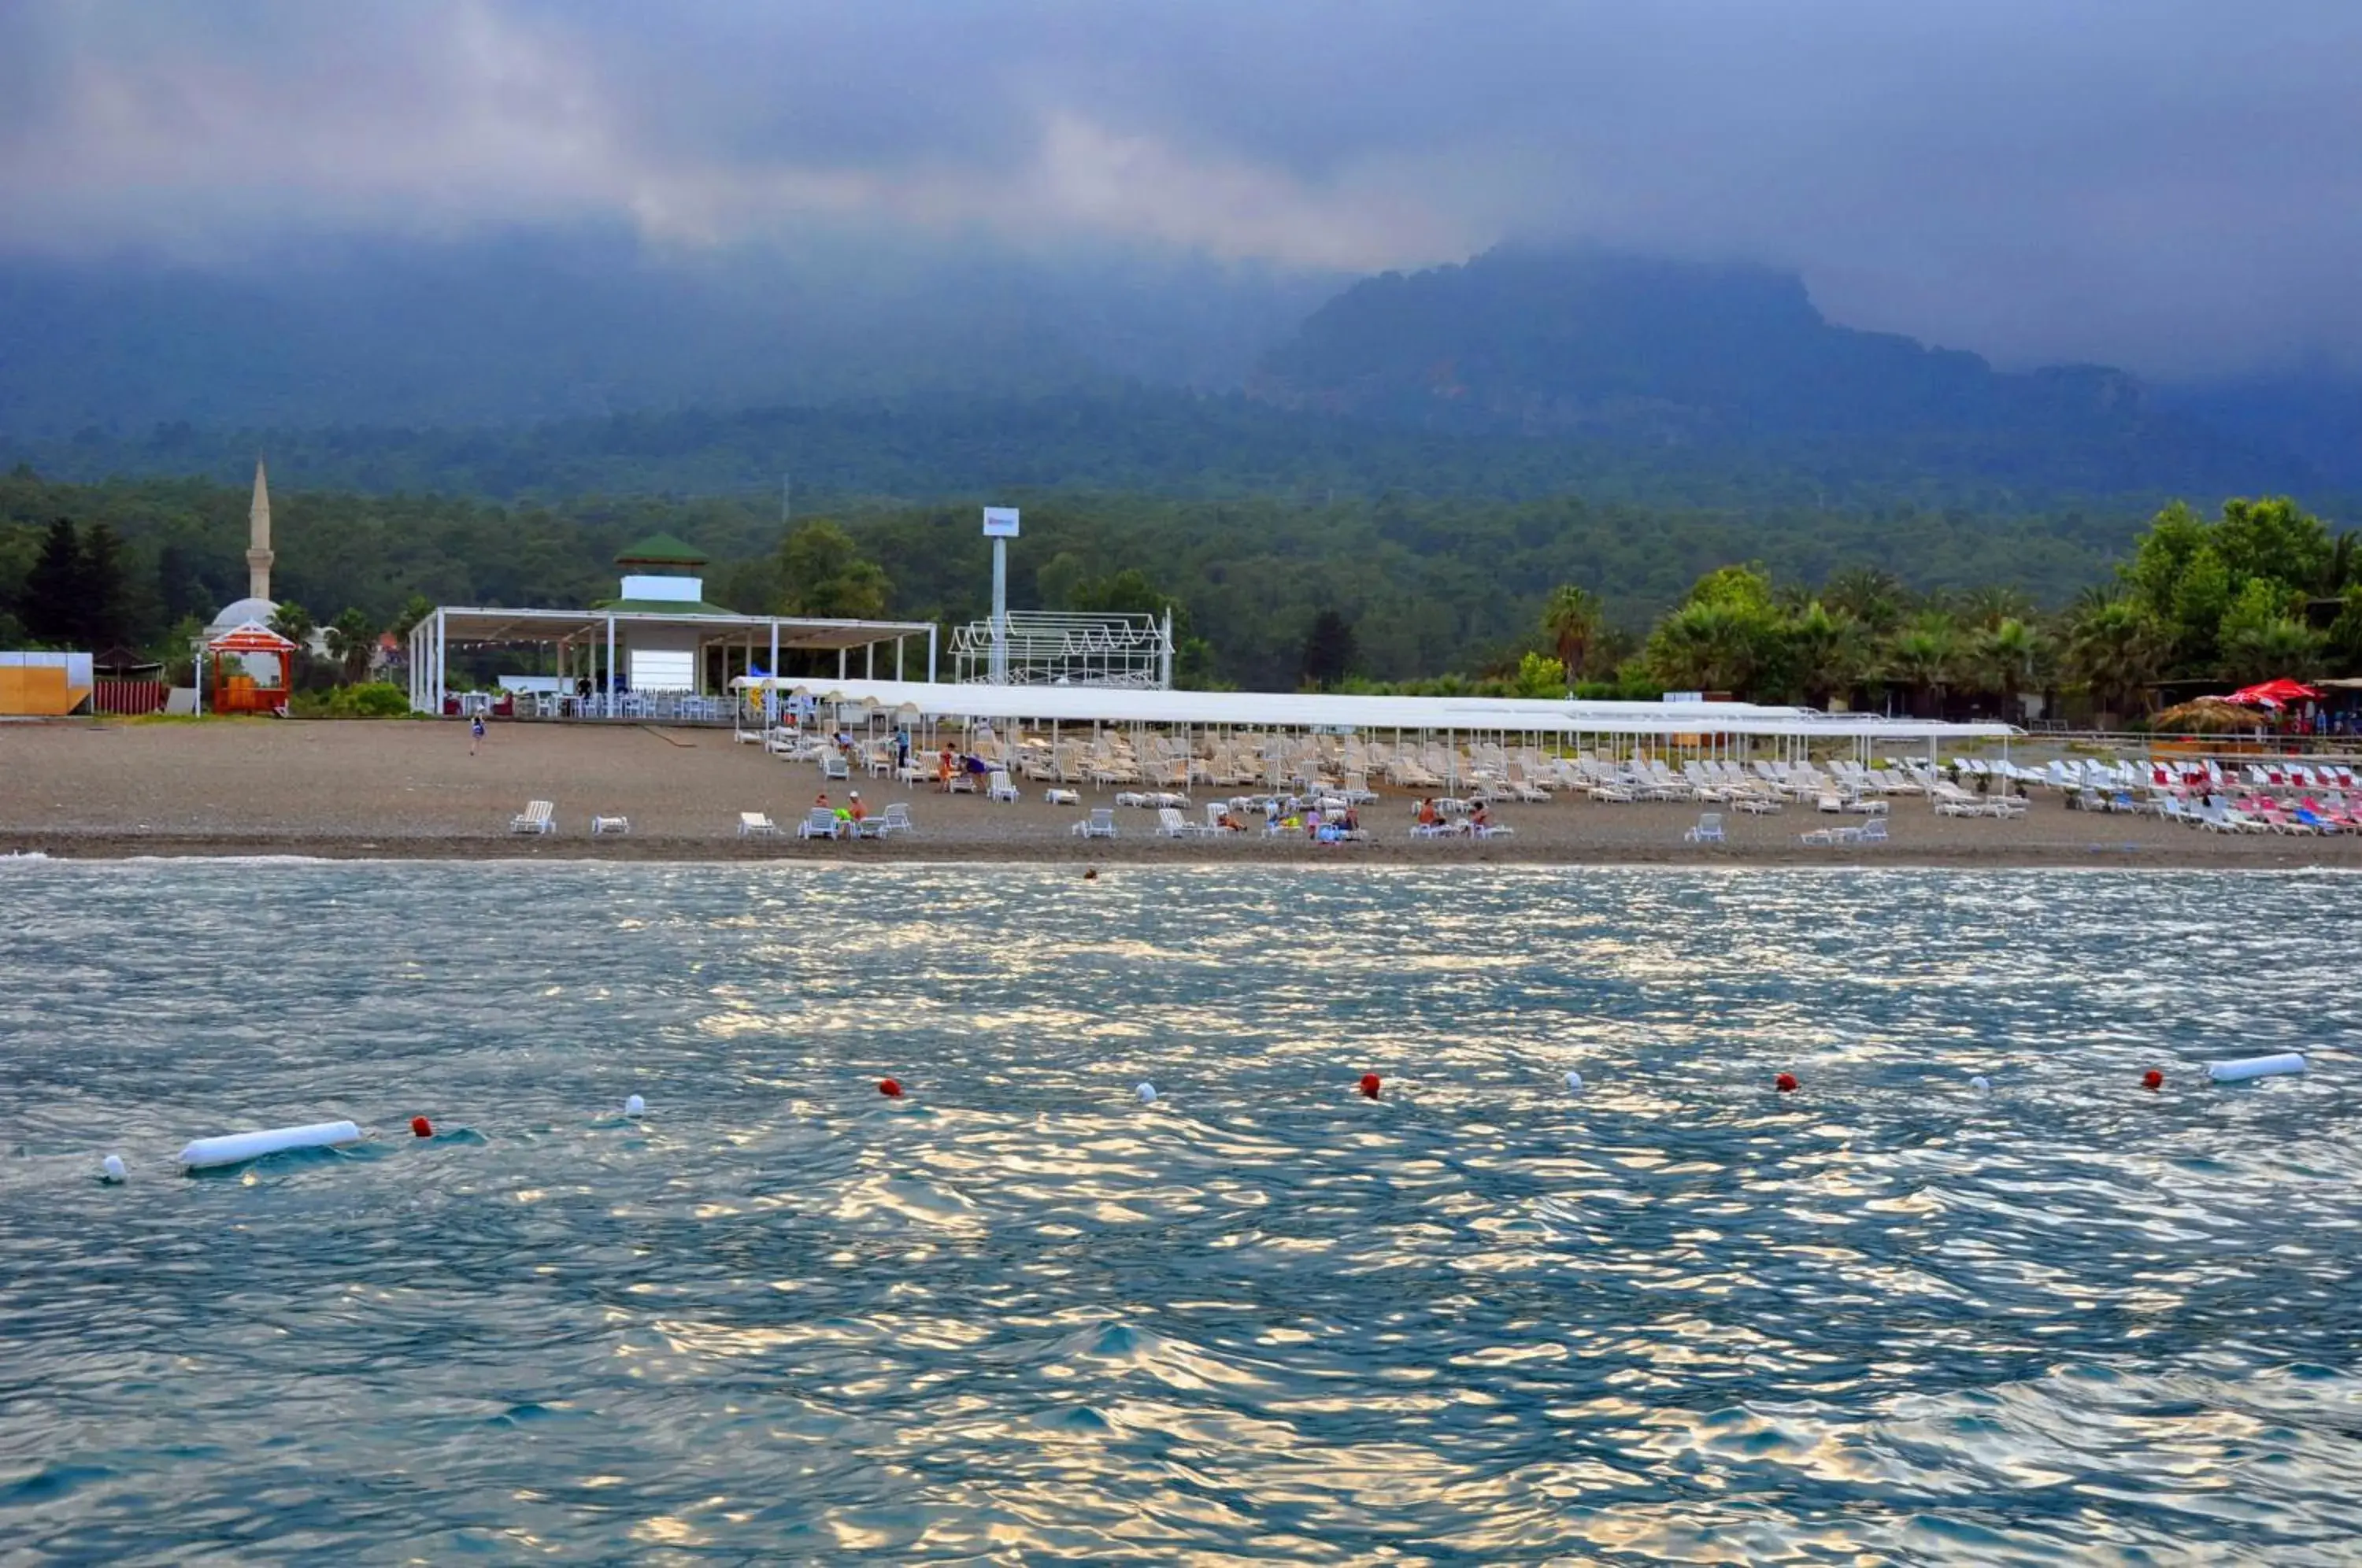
1048	647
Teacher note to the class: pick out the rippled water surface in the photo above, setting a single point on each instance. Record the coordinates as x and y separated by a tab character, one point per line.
1018	1316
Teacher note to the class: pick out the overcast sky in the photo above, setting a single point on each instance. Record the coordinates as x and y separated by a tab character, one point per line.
2171	184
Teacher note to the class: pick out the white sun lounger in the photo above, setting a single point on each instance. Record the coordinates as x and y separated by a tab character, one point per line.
756	825
538	816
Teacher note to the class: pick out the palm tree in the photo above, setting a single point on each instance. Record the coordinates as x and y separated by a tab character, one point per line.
1924	657
1876	598
351	640
1571	620
2344	567
2002	659
1989	607
1824	650
2114	651
1704	647
294	622
2282	647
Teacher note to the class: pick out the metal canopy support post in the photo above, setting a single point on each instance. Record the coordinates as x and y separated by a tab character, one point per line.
608	707
771	692
1000	611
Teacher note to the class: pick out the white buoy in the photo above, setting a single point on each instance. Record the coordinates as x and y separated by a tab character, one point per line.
238	1147
1147	1093
1981	1084
636	1105
1574	1082
112	1166
2255	1068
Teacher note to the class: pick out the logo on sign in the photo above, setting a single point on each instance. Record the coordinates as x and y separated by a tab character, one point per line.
1000	522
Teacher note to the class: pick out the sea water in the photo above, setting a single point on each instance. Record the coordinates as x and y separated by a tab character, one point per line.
1016	1315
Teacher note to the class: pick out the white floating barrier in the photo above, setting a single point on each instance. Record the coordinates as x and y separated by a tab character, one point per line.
1981	1084
1574	1082
112	1166
237	1147
2255	1068
1147	1093
636	1105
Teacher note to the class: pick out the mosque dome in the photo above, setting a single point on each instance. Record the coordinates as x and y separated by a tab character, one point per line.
239	612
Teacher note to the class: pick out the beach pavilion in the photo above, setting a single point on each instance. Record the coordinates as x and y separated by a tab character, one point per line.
252	669
1672	727
656	650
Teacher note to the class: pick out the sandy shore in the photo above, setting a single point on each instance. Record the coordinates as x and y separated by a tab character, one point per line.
411	789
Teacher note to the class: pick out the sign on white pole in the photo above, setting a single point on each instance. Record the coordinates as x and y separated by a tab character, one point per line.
1000	522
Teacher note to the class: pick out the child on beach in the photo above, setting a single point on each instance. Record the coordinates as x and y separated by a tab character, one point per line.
475	733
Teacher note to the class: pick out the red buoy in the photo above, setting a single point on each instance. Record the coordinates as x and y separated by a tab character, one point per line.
421	1128
1370	1085
2152	1080
1785	1083
890	1089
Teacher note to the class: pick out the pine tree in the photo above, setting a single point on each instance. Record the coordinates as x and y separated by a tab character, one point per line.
1328	651
53	609
103	585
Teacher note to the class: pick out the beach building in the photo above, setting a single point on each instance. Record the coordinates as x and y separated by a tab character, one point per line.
44	685
656	650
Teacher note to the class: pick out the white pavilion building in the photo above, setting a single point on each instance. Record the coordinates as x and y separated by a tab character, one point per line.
658	649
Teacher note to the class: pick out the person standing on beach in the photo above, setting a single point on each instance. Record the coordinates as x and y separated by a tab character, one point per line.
475	733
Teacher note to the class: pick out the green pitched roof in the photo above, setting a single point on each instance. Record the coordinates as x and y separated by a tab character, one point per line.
662	549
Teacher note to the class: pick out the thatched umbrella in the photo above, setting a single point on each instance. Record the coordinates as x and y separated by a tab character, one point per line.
2206	716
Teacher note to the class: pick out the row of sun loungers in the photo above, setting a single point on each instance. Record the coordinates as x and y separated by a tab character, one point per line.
540	817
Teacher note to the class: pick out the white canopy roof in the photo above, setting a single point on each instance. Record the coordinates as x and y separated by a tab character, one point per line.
1290	710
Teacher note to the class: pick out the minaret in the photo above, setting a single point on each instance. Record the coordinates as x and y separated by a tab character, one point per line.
257	551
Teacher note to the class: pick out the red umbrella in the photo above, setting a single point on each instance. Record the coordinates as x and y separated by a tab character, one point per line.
2272	693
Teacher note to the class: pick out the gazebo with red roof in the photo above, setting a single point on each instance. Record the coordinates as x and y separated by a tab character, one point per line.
239	689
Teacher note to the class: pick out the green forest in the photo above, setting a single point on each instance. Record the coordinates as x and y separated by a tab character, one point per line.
1943	609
